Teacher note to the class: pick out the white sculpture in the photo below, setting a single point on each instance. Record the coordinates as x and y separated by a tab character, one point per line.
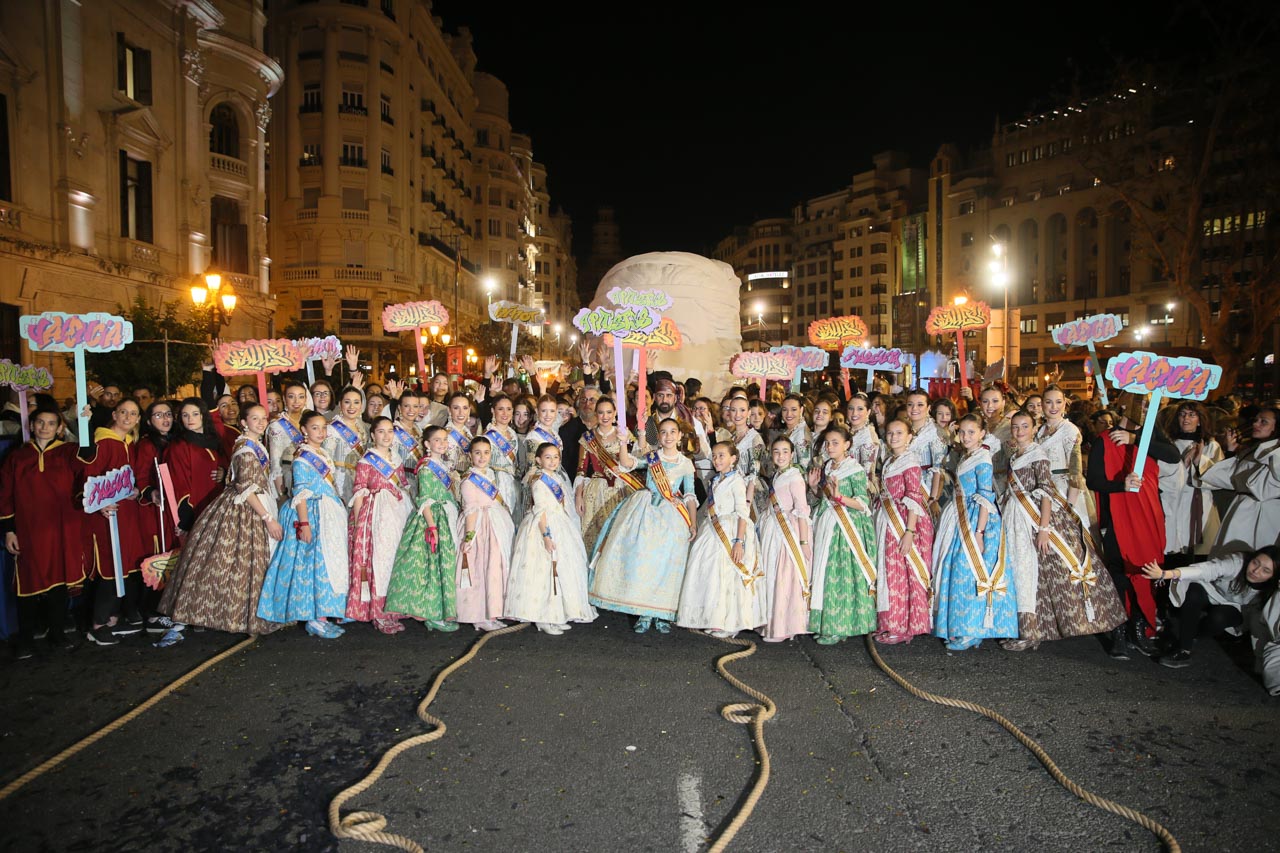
705	309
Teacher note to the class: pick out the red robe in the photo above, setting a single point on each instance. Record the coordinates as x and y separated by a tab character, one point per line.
228	433
37	502
1138	520
111	452
144	474
192	469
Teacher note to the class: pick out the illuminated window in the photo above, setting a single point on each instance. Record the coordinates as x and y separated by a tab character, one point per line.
133	70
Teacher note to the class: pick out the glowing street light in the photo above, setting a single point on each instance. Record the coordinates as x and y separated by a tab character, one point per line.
999	267
210	292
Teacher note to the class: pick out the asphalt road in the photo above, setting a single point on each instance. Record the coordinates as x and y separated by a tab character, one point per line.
605	740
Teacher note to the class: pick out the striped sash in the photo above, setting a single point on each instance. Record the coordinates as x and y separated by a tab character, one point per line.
989	584
658	474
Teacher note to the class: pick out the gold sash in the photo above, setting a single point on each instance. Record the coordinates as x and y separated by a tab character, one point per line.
748	576
918	566
989	585
865	563
1081	572
663	484
797	556
607	459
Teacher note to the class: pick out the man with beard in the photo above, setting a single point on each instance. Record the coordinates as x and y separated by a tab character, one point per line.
664	406
572	430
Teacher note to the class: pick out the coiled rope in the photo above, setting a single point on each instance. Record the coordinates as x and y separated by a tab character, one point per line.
369	826
1062	779
753	714
89	741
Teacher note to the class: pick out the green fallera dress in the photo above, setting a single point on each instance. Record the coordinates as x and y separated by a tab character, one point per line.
423	584
844	604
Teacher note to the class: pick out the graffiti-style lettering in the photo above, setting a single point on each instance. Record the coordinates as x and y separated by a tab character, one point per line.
1144	372
806	358
238	358
627	297
665	337
874	358
24	377
409	316
762	365
958	318
598	321
58	332
513	312
1088	330
836	333
109	488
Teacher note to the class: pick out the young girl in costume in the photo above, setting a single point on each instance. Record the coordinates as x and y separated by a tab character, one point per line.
308	577
485	556
424	578
223	565
1063	589
196	462
638	567
1061	442
459	432
603	481
347	441
865	447
508	460
904	531
786	547
722	589
284	436
975	595
380	507
843	602
795	426
548	582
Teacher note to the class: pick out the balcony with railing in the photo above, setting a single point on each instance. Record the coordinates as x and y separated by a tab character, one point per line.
225	165
311	107
309	160
10	217
353	162
353	109
387	169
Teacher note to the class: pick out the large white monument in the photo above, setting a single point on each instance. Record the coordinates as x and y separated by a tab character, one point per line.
704	307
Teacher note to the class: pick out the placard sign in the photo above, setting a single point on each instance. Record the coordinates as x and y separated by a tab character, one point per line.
807	359
665	336
517	315
763	366
638	311
413	317
54	331
1142	372
872	359
23	378
959	319
1088	332
107	490
836	333
257	358
319	349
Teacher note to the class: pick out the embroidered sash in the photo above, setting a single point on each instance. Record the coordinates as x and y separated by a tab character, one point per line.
596	446
865	564
554	485
505	447
408	441
350	436
919	568
441	473
548	438
1082	573
658	474
460	440
485	485
988	584
295	435
748	576
322	467
257	449
386	469
797	556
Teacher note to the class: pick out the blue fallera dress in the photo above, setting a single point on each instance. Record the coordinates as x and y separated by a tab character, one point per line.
308	580
639	560
975	596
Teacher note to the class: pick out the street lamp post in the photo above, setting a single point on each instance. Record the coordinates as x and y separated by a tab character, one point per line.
218	298
1168	322
759	306
1000	277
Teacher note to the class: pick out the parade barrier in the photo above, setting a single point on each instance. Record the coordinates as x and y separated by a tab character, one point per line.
414	317
1089	332
23	378
959	319
54	331
1143	373
257	358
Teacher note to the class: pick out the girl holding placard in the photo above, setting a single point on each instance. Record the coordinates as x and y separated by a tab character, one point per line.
308	577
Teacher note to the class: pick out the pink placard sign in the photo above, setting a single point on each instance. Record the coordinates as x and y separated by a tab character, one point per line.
762	365
241	358
874	358
109	488
410	316
1144	373
1088	330
54	331
809	359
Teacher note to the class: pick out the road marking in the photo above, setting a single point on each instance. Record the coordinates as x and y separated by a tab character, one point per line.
689	792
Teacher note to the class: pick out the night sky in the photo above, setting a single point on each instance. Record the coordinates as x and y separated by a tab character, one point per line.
693	118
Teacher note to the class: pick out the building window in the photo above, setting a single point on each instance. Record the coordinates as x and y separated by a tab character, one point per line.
353	154
1029	325
385	107
967	207
355	317
879	269
310	154
1010	160
133	70
879	308
311	102
352	102
311	311
1054	320
856	292
855	272
224	131
1037	153
386	163
135	198
879	248
1024	156
495	228
966	239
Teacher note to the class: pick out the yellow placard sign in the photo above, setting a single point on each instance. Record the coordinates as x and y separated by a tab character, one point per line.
513	312
665	337
408	316
836	333
958	318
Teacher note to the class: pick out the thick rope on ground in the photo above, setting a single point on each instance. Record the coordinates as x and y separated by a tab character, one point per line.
754	714
120	721
1062	779
369	826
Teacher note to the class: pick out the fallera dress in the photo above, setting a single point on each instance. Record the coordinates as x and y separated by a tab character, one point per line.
223	565
717	593
543	587
843	603
345	444
308	580
1066	592
639	563
975	596
605	482
904	580
374	537
482	582
424	583
786	571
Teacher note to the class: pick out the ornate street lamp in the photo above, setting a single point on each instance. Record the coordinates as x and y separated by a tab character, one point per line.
210	294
